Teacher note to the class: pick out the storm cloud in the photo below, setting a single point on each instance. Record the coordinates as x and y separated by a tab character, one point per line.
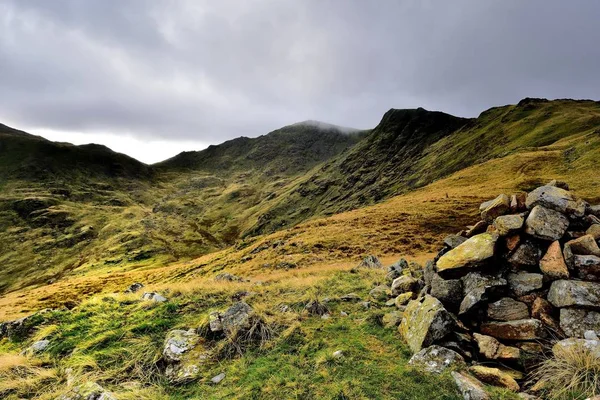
208	71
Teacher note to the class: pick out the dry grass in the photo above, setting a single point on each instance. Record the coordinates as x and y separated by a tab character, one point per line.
571	373
23	376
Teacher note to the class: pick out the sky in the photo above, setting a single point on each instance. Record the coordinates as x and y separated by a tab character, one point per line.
151	78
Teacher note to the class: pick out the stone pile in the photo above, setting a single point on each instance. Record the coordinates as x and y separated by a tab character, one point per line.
526	275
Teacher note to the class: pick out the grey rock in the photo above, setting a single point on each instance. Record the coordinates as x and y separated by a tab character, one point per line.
575	322
507	309
594	210
403	284
472	253
546	224
575	294
227	277
134	287
380	293
217	379
237	317
492	209
425	321
428	272
592	346
507	224
178	342
87	391
527	254
343	314
436	359
492	349
395	270
370	261
448	291
152	296
365	304
556	199
392	319
587	267
478	288
522	283
338	354
469	387
590	335
453	241
39	346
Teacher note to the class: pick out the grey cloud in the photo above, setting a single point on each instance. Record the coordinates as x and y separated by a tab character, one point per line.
210	71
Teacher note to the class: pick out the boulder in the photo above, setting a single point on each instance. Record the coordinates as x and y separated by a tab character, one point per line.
403	299
178	342
565	293
492	209
471	253
507	309
476	229
546	224
594	231
593	346
87	391
508	224
380	293
133	288
152	296
436	359
469	387
527	254
495	377
521	283
492	349
448	291
370	261
478	288
556	199
404	284
585	246
453	241
575	322
553	263
395	270
425	321
587	267
523	329
38	347
392	319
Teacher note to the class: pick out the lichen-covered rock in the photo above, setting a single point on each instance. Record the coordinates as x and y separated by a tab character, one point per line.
478	288
587	267
178	342
527	254
523	329
404	284
471	253
507	309
593	346
546	224
436	359
556	199
585	246
492	209
575	322
152	296
565	293
88	391
494	377
553	263
521	283
508	224
237	317
425	321
469	387
380	293
392	319
479	227
403	299
448	291
492	349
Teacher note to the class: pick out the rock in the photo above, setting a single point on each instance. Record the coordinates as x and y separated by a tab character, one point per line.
492	349
527	396
594	231
425	321
469	387
134	287
449	292
182	373
152	296
316	307
522	329
517	202
471	253
343	314
237	317
350	297
370	261
527	254
392	319
217	379
436	359
553	263
338	354
429	273
178	342
366	304
559	184
574	293
479	227
546	224
556	199
541	307
590	335
380	293
594	210
395	270
507	309
492	209
453	241
512	242
593	346
478	288
508	224
227	277
87	391
403	299
494	377
522	283
585	246
325	316
403	284
575	322
38	347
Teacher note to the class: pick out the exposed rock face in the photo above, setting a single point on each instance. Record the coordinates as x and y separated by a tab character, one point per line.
425	321
553	263
492	349
508	224
184	352
227	277
403	284
575	322
546	224
469	387
507	309
436	359
574	293
495	377
523	329
556	199
522	283
471	253
492	209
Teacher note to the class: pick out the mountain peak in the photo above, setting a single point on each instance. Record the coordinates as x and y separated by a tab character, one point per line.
325	126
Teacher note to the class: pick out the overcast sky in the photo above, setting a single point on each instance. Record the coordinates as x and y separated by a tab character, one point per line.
151	78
